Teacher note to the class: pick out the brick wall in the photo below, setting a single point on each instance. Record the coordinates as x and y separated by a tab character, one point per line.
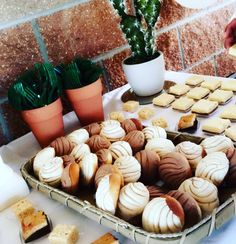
58	30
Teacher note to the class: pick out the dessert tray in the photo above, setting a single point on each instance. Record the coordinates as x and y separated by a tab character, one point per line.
85	205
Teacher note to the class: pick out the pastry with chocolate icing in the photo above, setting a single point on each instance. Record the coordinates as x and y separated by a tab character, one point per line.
136	139
131	124
97	142
62	146
104	156
93	129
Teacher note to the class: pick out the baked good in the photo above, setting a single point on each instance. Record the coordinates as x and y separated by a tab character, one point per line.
78	136
131	124
129	167
120	148
221	96
93	129
80	151
70	178
198	93
22	208
98	142
216	125
179	89
203	191
156	191
130	106
204	107
104	156
192	211
149	162
163	215
161	146
174	168
161	122
232	51
193	152
117	115
188	123
183	104
136	139
218	144
211	84
152	132
110	122
132	200
213	167
146	113
51	172
231	176
231	133
64	234
194	80
42	157
88	167
229	113
108	238
108	192
107	169
229	85
62	146
67	159
163	100
34	226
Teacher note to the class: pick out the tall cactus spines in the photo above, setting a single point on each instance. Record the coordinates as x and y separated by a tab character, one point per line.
119	6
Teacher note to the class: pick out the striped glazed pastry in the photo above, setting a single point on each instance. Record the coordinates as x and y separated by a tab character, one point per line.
120	148
80	151
156	191
152	132
131	124
62	146
136	139
203	191
78	136
97	142
213	167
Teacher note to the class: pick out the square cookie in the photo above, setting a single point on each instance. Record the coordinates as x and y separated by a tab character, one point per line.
194	80
183	104
117	115
130	106
229	113
204	107
229	85
221	96
163	100
161	122
231	133
198	93
211	84
179	89
216	125
146	113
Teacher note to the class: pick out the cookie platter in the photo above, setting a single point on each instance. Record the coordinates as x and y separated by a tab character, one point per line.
84	203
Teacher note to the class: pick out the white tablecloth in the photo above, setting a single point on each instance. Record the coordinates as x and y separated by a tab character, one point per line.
19	151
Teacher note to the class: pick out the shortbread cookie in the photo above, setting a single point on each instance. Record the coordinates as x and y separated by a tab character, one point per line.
198	93
22	209
160	122
211	84
221	96
130	106
216	125
229	113
194	80
117	115
163	100
179	89
229	85
183	104
204	107
145	113
231	133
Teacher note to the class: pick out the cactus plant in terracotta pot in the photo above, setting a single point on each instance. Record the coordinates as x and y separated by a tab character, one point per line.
145	68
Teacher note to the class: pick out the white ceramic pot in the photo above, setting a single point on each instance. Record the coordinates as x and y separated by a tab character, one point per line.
196	4
146	78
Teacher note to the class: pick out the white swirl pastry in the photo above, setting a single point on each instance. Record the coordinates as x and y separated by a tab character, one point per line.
161	146
78	136
120	148
80	151
88	168
51	172
213	167
191	151
132	200
129	167
110	122
152	132
203	191
163	215
108	192
43	157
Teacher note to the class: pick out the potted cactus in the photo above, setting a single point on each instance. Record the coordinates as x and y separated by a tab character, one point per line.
144	69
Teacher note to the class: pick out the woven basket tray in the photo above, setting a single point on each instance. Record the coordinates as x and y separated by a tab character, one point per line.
84	204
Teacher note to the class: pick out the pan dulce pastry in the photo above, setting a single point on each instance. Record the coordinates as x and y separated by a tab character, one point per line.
229	85
22	208
120	148
161	122
104	156
216	125
194	80
51	172
131	124
70	178
136	139
117	115
98	142
193	152
163	215
211	84
213	167
146	113
132	200
198	93
80	151
108	238
229	113
129	167
183	104
161	146
67	159
203	191
156	191
231	133
179	89
62	146
42	157
204	107
163	100
174	168
110	122
93	129
221	96
231	176
152	132
188	123
108	192
78	136
88	167
192	211
149	162
131	106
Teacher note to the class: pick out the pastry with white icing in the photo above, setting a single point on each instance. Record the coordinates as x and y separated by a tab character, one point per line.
163	100
229	113
78	136
216	125
194	80
211	84
80	151
152	132
221	96
120	148
179	89
198	93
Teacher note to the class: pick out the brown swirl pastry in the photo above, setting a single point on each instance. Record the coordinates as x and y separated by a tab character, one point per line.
149	161
174	168
93	129
104	156
97	142
231	177
193	213
136	139
156	191
62	146
67	159
131	124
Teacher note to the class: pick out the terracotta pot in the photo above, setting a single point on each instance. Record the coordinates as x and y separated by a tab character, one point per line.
46	123
87	102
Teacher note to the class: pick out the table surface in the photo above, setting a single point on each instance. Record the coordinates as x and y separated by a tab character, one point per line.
19	151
